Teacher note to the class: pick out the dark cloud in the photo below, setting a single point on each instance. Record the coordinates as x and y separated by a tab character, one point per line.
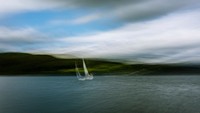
104	3
154	9
96	3
132	10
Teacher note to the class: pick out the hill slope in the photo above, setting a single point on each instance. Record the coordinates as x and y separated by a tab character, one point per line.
23	63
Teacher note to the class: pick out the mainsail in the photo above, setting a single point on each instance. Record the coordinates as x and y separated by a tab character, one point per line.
87	75
78	73
85	68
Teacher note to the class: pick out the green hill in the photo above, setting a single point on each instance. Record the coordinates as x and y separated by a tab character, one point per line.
23	63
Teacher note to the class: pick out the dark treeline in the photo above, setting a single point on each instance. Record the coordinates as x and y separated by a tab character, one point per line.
23	63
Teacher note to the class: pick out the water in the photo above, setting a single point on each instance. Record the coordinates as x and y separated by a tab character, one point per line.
106	94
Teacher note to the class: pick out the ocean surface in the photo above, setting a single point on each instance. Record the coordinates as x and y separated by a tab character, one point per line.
104	94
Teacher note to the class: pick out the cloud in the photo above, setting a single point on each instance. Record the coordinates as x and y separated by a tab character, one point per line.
9	7
151	9
134	10
126	10
15	39
21	35
164	40
81	20
118	10
155	31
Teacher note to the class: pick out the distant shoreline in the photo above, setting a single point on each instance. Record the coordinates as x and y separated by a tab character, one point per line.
23	64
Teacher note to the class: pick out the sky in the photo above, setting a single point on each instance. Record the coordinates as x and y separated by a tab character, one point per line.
148	31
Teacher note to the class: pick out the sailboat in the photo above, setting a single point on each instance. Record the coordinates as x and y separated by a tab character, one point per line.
87	75
78	75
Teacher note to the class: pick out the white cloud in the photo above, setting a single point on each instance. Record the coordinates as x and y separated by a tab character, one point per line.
135	10
86	19
163	38
127	10
13	39
80	20
8	7
17	35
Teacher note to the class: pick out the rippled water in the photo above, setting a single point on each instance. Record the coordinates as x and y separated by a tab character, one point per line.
105	94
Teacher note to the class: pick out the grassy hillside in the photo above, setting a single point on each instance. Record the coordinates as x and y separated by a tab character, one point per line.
23	63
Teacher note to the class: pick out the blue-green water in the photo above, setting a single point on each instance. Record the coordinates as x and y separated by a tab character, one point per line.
106	94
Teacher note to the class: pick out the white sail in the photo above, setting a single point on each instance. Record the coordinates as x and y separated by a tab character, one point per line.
85	68
78	75
87	75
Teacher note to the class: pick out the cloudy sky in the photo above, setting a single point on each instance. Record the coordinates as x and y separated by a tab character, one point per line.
151	31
